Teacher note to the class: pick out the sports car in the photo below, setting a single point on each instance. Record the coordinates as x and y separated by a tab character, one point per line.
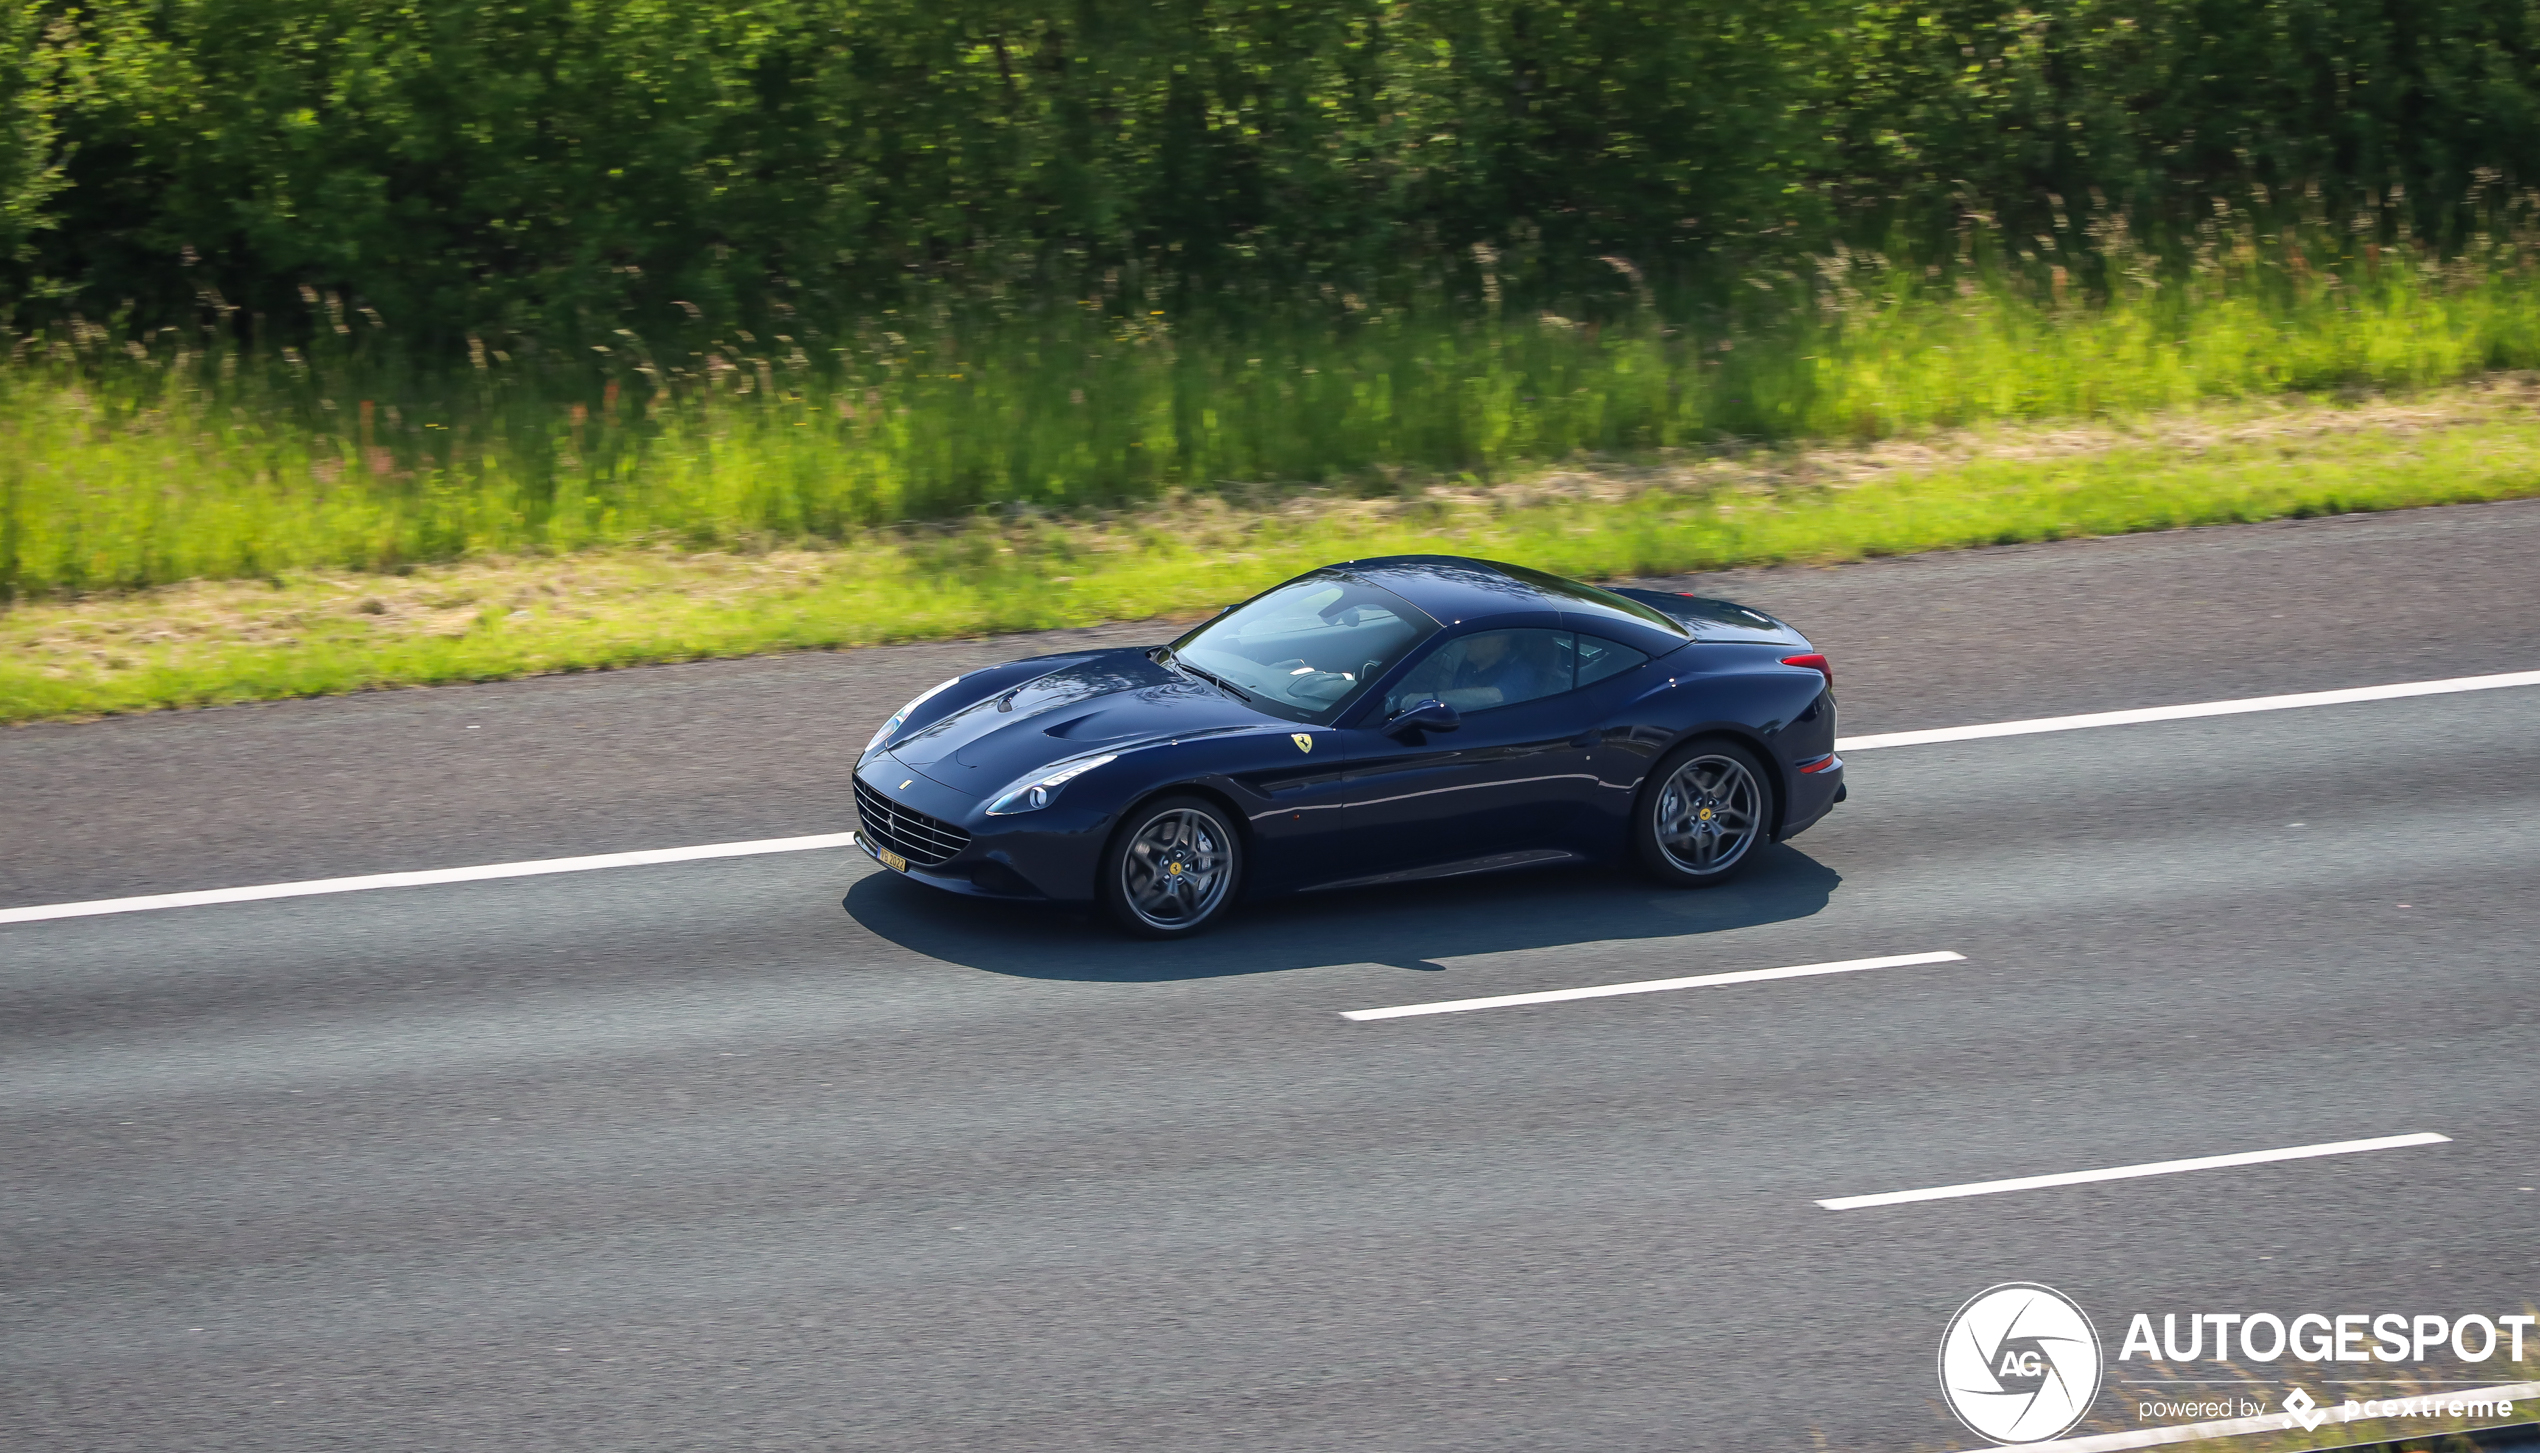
1369	723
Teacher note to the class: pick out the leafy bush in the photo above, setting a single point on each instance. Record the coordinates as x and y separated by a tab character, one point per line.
549	170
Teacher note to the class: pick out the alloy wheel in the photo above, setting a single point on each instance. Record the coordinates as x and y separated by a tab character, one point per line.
1177	868
1709	813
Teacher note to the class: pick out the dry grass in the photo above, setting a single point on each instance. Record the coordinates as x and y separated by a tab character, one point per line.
112	631
2292	423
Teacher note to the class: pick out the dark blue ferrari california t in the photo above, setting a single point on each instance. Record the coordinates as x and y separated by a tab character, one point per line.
1372	722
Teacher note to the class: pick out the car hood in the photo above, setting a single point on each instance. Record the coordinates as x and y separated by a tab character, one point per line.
1106	701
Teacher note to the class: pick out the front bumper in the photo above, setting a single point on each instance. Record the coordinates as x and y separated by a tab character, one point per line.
956	876
1048	855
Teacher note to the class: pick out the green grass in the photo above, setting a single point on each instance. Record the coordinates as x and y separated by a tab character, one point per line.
182	525
305	634
134	464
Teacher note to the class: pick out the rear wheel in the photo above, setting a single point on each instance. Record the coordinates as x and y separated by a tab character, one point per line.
1172	868
1705	814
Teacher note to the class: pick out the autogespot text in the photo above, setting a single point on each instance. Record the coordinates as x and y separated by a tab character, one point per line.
2319	1337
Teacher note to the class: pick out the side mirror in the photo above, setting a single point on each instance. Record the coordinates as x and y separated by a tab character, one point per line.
1424	716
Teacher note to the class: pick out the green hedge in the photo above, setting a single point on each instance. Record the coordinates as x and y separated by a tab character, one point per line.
561	168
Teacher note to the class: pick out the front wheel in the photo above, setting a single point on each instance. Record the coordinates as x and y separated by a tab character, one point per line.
1708	808
1172	868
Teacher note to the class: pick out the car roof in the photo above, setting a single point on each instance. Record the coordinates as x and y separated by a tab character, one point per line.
1457	588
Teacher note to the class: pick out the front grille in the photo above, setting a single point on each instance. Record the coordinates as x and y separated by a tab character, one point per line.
925	841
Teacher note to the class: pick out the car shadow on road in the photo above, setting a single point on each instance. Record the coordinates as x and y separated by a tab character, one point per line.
1404	927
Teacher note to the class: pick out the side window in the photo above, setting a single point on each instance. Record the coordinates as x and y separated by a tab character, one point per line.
1489	669
1599	659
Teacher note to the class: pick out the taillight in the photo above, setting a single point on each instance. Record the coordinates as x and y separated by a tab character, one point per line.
1813	662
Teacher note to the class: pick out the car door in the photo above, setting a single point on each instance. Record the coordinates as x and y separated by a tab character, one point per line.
1514	778
1297	809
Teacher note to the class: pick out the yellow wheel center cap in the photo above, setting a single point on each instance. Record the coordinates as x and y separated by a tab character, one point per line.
1706	814
1174	868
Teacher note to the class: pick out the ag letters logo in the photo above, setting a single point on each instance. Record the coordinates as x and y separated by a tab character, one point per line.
2020	1363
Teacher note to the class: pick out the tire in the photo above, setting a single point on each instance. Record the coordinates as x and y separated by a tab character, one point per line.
1172	869
1706	813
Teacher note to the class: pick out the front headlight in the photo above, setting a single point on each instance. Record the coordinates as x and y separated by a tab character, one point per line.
1035	793
900	717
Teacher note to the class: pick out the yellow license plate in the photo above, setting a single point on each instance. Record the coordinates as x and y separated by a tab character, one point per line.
892	860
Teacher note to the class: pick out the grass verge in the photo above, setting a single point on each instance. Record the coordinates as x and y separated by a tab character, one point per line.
134	462
305	634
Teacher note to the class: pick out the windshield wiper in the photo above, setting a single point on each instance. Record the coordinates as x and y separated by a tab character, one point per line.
1213	679
1167	656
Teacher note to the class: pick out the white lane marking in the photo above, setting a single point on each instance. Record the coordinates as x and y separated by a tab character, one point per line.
1652	986
2351	1412
41	912
2188	711
2129	1172
426	877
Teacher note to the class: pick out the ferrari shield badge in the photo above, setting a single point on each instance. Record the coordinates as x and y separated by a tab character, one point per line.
1304	743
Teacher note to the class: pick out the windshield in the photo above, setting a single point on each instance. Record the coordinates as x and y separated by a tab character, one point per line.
1307	649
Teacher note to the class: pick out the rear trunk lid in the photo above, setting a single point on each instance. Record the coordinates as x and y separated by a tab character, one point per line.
1711	619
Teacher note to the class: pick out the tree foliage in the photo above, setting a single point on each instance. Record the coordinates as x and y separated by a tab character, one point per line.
563	167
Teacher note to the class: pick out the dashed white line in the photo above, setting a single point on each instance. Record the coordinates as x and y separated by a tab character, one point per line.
2188	711
2129	1172
1653	986
425	877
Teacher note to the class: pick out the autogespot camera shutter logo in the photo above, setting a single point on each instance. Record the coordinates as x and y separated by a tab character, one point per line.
2020	1363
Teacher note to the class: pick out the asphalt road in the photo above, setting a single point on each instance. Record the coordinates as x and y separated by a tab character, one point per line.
687	1158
